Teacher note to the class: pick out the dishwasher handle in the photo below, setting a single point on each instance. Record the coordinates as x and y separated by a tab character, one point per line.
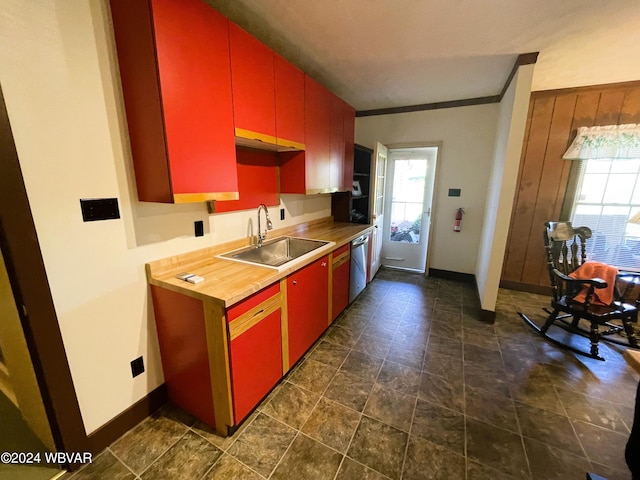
360	241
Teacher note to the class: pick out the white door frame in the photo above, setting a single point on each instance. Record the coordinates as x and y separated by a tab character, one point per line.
392	146
377	220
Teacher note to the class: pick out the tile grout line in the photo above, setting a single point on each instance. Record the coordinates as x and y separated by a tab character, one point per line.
467	334
225	451
122	461
344	455
163	453
513	401
464	402
573	428
321	395
299	431
362	414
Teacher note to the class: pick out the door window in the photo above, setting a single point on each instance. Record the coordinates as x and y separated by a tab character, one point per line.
407	200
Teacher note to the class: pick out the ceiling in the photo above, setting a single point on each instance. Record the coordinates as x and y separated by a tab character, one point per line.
390	53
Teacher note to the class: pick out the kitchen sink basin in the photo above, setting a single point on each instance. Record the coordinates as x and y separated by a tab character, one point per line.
276	252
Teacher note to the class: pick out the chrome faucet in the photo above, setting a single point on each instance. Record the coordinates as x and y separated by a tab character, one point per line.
262	237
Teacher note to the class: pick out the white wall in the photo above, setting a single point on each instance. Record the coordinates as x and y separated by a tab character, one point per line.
467	135
504	176
60	83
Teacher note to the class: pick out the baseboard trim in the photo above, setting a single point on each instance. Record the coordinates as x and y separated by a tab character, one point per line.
456	276
526	287
115	428
487	316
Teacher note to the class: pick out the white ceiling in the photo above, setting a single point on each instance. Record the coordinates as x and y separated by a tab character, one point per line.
390	53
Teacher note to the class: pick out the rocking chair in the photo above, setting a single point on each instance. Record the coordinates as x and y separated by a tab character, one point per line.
577	296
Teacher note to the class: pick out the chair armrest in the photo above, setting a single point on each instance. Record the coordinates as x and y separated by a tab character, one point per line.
573	286
596	282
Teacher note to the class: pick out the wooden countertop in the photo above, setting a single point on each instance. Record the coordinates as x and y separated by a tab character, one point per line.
633	358
227	281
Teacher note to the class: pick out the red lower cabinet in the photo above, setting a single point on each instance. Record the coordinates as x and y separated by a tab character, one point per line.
255	348
256	364
184	352
308	307
341	265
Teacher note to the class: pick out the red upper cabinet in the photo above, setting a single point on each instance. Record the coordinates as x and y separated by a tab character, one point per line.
310	171
317	105
176	82
337	142
253	80
326	165
257	181
289	88
349	119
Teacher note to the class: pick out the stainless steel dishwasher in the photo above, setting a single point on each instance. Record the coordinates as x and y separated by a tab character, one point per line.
358	278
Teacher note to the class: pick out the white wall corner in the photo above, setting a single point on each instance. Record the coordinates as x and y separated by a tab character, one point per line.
502	186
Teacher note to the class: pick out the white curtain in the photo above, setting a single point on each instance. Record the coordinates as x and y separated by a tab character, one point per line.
610	142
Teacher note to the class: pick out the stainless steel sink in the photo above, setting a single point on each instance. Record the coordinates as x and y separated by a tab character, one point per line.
276	252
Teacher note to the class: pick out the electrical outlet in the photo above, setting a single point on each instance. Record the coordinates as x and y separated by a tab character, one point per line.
199	228
137	367
94	209
282	214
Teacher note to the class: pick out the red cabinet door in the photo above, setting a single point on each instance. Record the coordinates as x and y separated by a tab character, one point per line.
317	105
256	364
252	75
289	88
194	70
176	81
257	181
308	307
337	142
184	352
340	281
349	118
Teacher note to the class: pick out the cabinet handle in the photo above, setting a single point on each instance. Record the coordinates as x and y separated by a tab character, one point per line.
258	313
324	264
295	282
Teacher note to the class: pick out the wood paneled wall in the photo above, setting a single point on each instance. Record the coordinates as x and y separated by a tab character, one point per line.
553	119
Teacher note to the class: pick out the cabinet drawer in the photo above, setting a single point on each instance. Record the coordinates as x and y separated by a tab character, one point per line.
252	302
341	255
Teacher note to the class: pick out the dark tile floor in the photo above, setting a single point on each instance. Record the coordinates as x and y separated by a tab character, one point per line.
409	384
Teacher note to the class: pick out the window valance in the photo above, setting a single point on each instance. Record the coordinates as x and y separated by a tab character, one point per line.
610	142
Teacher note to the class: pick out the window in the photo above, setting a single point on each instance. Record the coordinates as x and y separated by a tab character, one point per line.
407	199
607	196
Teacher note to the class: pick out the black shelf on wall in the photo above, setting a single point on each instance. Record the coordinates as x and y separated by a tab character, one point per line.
345	207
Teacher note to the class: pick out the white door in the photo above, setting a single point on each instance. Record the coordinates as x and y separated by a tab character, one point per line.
411	175
377	205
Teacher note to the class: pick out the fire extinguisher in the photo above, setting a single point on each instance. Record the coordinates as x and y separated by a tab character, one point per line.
456	225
